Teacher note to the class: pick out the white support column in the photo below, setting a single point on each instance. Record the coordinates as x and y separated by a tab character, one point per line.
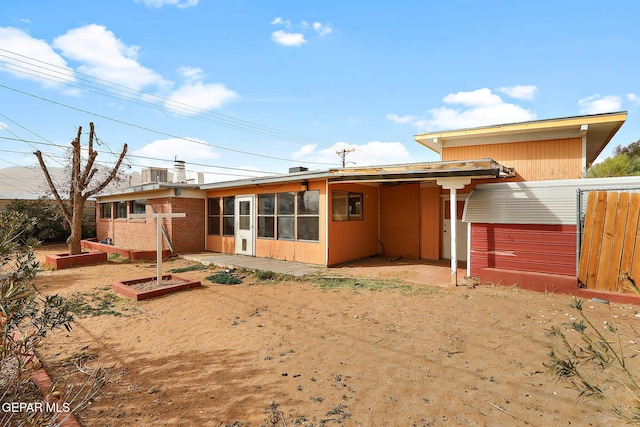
453	208
158	217
453	184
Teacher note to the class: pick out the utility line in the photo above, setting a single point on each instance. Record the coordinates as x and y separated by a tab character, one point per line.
140	157
215	118
105	163
161	132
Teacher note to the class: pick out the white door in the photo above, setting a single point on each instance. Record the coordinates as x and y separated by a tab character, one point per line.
244	225
461	231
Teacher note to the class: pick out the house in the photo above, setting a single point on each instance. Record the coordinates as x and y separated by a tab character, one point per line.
416	211
154	195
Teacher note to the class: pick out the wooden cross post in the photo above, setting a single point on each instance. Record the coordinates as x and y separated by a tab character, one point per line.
158	216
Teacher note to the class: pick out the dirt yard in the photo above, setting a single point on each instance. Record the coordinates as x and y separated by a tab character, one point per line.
294	353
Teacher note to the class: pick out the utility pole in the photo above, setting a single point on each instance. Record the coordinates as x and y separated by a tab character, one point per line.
343	154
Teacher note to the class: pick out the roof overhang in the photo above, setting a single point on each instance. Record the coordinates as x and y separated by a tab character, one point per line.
146	188
598	130
482	168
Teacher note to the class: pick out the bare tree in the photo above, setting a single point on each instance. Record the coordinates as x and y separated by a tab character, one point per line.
80	185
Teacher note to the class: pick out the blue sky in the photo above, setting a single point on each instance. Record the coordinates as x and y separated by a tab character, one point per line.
260	86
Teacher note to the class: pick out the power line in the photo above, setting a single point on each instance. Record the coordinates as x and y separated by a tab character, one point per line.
105	163
212	117
161	132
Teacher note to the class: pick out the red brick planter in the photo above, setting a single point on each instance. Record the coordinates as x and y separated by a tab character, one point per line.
62	261
132	254
123	288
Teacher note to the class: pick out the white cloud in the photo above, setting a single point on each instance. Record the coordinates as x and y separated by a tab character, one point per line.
305	151
179	3
633	98
402	119
36	61
280	21
597	104
194	93
527	92
200	96
480	107
322	29
191	73
191	149
371	153
288	39
297	38
477	98
106	57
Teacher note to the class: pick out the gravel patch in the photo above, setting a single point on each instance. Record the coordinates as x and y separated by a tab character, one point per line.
153	284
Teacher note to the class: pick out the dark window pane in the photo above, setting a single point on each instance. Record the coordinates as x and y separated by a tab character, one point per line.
339	205
266	204
355	206
266	226
214	206
286	227
228	226
309	228
244	208
138	207
309	202
285	203
213	226
121	209
228	205
105	210
245	223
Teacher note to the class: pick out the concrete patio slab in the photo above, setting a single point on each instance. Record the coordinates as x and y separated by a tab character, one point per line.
437	273
292	268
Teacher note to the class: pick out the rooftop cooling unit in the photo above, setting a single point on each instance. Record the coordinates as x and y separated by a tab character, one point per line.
150	175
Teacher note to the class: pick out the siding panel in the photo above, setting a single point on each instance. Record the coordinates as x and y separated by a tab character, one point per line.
535	160
525	247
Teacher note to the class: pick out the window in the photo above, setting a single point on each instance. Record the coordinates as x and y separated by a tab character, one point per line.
286	216
346	206
228	219
308	217
138	207
266	216
213	216
105	210
121	209
289	216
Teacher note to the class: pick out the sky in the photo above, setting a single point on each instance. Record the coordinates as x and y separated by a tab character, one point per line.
251	87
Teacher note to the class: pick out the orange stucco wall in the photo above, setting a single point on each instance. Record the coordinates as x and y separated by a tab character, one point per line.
533	160
430	222
350	240
400	220
309	252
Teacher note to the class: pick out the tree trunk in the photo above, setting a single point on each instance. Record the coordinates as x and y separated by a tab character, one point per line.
74	240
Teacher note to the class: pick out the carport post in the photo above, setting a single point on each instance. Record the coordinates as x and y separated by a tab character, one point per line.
453	184
453	214
158	217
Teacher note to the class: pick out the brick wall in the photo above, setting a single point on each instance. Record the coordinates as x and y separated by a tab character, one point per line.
186	234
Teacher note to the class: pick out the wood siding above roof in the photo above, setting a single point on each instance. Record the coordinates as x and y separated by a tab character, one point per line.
533	161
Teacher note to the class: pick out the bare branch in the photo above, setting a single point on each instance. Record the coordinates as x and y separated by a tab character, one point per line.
65	210
112	175
85	180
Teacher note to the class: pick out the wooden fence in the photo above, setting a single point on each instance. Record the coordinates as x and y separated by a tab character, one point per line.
610	252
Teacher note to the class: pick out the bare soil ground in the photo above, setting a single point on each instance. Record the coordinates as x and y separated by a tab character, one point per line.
294	353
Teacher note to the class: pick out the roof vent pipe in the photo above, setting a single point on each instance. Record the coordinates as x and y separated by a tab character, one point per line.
179	174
